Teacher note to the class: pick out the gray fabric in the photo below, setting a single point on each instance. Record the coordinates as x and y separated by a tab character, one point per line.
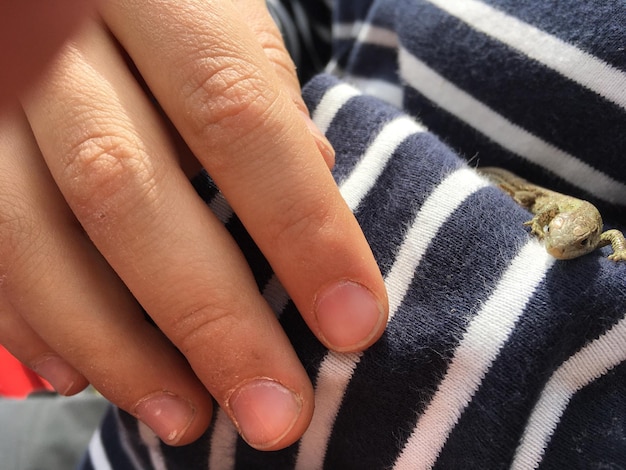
47	431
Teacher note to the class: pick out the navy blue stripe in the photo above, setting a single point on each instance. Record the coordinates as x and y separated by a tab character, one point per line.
414	159
530	95
204	186
591	433
482	151
315	89
342	51
259	265
190	456
374	62
250	459
595	26
352	12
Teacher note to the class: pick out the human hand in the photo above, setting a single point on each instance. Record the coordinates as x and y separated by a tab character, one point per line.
96	210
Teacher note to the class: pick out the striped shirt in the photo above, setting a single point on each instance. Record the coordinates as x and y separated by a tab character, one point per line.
495	355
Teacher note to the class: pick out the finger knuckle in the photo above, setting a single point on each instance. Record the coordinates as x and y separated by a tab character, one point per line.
274	49
209	321
228	105
105	174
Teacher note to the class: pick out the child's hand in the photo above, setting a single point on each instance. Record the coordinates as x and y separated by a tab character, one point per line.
96	210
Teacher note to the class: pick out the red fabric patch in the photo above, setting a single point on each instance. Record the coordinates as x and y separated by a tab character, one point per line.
17	380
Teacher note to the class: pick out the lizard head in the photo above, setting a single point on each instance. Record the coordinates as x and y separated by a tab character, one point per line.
575	233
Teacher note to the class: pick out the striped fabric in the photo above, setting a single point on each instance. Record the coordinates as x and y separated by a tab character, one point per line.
496	355
538	87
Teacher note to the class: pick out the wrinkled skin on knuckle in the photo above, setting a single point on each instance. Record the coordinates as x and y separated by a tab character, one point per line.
218	345
226	107
105	176
203	327
285	67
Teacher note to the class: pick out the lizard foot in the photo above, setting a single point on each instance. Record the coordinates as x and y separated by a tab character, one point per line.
617	241
535	227
618	256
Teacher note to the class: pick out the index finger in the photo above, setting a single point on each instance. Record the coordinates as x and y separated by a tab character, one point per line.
222	93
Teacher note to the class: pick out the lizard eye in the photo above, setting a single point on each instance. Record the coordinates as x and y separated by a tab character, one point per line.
584	241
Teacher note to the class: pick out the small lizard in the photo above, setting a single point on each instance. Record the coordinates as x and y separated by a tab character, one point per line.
569	227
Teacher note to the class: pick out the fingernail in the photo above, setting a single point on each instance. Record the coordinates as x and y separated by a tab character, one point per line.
323	145
57	372
264	411
348	315
166	414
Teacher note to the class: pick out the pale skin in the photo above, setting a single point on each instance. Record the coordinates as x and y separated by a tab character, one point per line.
569	227
98	218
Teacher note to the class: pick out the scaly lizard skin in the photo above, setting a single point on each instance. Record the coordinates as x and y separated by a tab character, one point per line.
569	227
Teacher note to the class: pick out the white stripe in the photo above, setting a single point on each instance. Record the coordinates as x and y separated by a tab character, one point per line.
510	136
275	295
382	89
485	336
366	33
343	31
221	208
223	443
153	444
97	455
573	63
336	369
331	103
368	169
589	364
383	37
332	67
332	380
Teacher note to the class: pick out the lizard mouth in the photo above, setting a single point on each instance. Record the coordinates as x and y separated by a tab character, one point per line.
560	253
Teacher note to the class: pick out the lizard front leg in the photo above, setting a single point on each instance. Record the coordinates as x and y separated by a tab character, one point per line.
541	220
616	239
